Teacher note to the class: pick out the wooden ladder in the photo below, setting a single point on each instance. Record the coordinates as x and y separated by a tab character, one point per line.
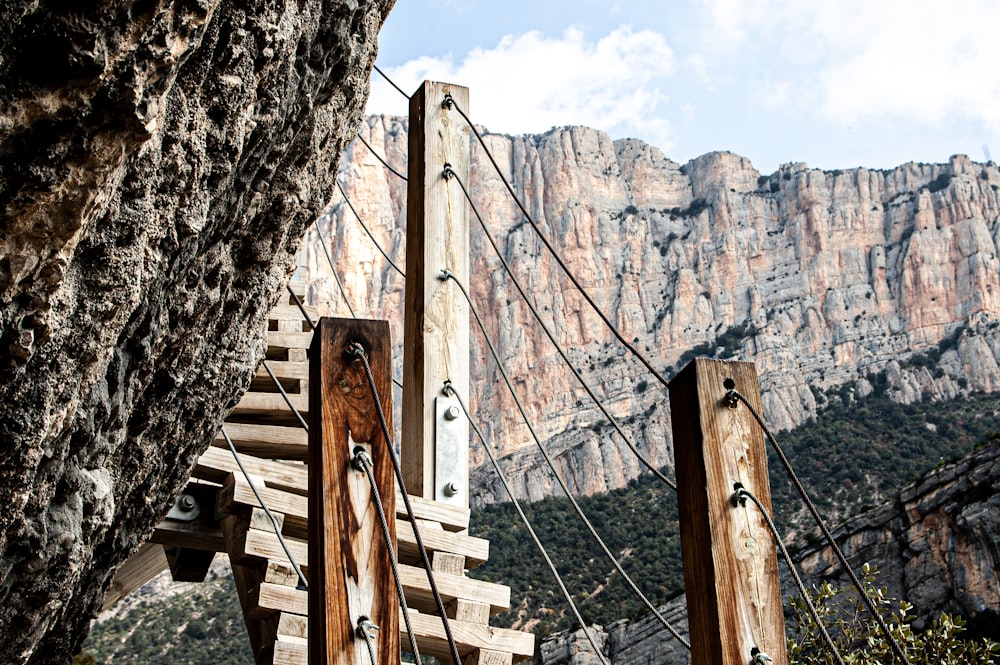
273	447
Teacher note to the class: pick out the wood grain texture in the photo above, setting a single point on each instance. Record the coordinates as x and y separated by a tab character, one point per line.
436	328
349	569
730	567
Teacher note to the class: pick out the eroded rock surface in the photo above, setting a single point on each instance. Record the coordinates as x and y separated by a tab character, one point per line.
160	162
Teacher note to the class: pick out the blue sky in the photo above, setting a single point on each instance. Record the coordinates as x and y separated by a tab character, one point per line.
840	84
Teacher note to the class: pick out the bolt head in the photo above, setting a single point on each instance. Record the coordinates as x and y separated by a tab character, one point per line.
452	413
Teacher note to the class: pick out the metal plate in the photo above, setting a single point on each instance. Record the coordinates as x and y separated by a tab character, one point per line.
451	453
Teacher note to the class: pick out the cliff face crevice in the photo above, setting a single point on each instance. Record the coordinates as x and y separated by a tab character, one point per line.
161	161
824	279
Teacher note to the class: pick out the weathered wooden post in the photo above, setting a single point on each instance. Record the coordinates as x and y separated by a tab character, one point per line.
435	441
350	577
730	565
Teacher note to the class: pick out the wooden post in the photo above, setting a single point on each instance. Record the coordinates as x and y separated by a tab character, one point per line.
730	565
349	570
435	442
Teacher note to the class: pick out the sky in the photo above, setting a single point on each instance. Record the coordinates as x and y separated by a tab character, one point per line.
835	84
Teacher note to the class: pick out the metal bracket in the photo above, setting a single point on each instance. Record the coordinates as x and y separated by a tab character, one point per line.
451	452
185	509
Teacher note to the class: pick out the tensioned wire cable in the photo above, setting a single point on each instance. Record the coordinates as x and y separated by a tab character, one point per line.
391	82
363	461
362	223
897	650
379	157
742	494
358	351
329	259
555	255
263	504
449	173
527	524
447	274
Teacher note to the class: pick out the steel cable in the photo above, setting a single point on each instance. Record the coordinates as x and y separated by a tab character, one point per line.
897	650
742	494
562	484
358	351
329	259
527	524
263	504
379	157
555	255
374	241
363	461
390	81
548	333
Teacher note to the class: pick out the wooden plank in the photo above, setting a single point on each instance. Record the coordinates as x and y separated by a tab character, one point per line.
470	611
476	551
284	369
469	637
267	598
451	517
417	589
445	562
270	404
192	535
730	565
216	463
147	562
288	340
436	326
291	312
350	572
487	657
286	653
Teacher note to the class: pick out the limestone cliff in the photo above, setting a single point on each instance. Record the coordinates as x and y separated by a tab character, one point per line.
822	278
160	162
937	546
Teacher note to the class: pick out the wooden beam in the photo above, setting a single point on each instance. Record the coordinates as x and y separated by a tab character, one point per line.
350	574
730	566
147	562
436	327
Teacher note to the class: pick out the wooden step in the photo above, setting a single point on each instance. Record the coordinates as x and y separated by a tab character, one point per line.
271	405
236	492
470	638
266	441
291	312
216	463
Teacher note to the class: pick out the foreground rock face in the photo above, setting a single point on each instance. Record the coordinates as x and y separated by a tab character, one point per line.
823	279
161	161
937	546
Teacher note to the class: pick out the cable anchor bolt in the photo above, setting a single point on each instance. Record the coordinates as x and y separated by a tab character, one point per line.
759	657
448	102
362	460
366	628
739	497
448	172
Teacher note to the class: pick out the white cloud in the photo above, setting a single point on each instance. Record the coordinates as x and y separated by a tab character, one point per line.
530	82
853	60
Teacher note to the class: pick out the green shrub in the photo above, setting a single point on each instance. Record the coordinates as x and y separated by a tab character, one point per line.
860	640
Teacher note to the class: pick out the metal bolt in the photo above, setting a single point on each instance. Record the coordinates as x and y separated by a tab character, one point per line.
451	489
759	657
452	413
187	503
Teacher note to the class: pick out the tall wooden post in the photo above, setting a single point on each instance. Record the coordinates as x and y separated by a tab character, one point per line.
350	576
435	439
730	565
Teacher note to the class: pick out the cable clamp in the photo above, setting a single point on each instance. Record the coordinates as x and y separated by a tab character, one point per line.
362	461
445	275
759	657
448	172
448	102
732	398
739	497
366	628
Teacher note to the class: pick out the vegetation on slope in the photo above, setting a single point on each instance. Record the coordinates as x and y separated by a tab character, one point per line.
855	453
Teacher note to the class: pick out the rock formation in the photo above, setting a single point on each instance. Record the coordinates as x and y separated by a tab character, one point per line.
822	278
161	161
937	546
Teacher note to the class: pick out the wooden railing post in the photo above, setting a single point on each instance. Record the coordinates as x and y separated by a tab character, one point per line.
435	441
730	565
350	576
